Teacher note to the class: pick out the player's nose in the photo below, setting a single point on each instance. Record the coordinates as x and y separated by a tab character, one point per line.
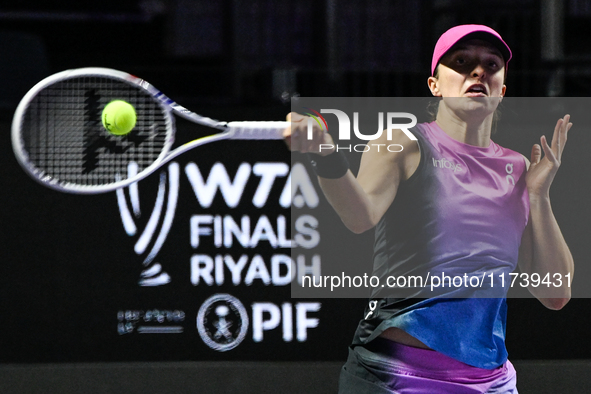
478	71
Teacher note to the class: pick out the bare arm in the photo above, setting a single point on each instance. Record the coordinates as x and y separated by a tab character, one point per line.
543	248
360	201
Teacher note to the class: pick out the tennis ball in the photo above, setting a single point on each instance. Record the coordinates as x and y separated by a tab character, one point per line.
119	117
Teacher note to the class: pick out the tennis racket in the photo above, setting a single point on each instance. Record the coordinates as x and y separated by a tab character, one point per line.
59	139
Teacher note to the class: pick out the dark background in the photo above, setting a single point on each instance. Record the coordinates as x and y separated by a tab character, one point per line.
243	60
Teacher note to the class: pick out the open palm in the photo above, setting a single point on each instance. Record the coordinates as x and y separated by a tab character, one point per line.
542	170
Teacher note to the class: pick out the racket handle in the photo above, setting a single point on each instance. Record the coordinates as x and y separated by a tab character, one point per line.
257	130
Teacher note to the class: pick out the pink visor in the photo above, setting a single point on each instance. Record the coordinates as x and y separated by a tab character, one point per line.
465	32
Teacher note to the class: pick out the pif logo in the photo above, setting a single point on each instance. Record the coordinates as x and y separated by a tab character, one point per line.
222	322
344	133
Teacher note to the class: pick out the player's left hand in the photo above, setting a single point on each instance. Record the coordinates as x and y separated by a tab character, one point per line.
541	171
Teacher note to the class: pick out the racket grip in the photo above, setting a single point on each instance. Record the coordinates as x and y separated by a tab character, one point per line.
257	130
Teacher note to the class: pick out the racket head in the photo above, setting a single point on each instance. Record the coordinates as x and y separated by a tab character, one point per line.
59	139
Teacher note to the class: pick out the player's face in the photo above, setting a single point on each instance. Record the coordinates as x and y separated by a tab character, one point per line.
474	68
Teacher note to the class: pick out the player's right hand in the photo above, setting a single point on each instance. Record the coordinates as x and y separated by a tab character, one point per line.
296	136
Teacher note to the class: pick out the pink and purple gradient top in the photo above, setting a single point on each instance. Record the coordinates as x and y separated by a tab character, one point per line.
462	212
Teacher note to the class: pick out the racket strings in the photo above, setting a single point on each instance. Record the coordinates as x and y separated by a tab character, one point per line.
63	137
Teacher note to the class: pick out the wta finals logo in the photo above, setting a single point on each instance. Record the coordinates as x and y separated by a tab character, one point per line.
160	220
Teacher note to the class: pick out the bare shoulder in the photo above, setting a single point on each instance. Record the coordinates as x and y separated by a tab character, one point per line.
394	153
386	162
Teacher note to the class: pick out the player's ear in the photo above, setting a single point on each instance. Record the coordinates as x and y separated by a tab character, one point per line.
433	84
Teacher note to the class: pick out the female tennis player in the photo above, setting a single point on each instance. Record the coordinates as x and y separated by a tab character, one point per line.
455	202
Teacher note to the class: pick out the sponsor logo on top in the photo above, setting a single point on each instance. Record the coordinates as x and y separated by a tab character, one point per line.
446	163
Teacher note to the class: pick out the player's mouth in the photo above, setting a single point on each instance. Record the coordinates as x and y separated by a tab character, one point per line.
476	90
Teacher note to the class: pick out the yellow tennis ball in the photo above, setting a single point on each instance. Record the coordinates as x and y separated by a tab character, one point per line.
119	117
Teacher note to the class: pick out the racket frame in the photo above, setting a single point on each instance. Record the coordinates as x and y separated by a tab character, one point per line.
233	130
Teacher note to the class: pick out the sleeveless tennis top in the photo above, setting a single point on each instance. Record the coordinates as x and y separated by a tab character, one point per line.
461	214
